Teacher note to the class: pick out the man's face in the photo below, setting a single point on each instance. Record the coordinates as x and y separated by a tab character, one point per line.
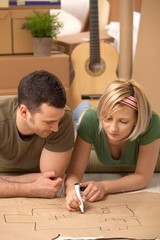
45	121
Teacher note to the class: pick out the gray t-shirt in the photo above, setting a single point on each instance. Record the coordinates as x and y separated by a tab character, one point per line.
18	153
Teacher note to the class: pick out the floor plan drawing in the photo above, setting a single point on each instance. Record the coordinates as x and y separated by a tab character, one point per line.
118	215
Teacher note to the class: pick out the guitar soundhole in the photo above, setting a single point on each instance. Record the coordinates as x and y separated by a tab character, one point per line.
95	69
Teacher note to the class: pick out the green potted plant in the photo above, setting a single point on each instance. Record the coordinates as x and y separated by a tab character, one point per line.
44	28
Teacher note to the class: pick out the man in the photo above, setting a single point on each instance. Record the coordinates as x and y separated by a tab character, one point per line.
36	134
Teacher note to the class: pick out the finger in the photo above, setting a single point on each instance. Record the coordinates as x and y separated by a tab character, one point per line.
73	202
86	188
59	181
94	194
50	175
74	206
94	198
89	192
84	184
82	188
72	209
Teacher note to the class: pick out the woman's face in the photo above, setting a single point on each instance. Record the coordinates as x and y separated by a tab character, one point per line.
118	127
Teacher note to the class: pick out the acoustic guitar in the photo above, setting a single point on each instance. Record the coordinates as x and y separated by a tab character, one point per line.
94	65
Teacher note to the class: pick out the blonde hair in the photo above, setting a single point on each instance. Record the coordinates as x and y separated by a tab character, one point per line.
110	102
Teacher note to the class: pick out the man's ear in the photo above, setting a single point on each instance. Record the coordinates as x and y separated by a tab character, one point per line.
23	110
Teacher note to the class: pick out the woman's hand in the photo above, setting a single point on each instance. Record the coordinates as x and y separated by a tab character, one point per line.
72	200
94	191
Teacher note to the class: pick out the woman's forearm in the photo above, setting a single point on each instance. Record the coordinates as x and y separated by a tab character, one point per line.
127	183
70	181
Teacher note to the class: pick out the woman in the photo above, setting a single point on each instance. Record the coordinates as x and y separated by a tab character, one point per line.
124	132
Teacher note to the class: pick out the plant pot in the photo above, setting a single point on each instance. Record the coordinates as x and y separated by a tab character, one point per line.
42	46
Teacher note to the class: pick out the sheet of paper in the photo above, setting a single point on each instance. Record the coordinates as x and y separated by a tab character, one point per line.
134	216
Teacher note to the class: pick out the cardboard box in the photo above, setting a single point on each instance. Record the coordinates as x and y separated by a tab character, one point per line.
67	43
21	38
5	30
13	68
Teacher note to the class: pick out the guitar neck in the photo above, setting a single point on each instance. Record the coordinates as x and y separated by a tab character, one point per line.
94	33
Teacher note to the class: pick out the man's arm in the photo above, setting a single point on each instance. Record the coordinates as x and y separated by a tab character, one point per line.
55	161
21	178
43	185
57	151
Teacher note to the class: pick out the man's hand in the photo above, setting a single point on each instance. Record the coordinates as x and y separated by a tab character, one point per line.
43	185
46	186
